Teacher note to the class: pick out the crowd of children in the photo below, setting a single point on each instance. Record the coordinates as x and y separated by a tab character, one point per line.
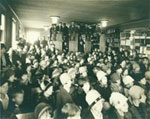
69	32
38	78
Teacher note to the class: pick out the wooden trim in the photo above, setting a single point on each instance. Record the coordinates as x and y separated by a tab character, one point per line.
15	14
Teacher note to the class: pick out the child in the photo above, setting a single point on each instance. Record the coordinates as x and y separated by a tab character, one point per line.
64	94
4	99
116	83
137	100
17	97
128	82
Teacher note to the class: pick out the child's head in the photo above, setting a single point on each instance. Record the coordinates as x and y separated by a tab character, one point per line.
65	80
118	69
137	95
17	96
115	79
83	71
8	75
136	67
125	72
145	60
128	81
71	111
119	101
43	111
4	88
24	79
49	90
102	79
72	73
11	75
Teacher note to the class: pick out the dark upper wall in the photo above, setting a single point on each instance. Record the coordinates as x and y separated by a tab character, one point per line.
136	24
6	10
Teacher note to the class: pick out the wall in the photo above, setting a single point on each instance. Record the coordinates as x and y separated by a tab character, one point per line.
9	14
32	34
145	23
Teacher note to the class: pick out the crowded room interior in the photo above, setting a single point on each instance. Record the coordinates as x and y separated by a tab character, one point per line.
74	59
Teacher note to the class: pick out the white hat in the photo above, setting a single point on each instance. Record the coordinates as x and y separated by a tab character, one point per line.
92	96
28	60
64	78
100	75
89	59
116	97
136	91
56	72
43	63
65	61
46	58
83	69
127	80
59	57
72	71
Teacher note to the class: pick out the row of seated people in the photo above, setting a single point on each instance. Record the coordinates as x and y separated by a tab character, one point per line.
51	84
63	32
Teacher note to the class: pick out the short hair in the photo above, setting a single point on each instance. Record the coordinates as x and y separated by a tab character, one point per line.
9	73
15	91
3	46
70	110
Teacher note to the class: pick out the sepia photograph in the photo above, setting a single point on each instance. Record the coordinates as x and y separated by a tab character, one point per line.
74	59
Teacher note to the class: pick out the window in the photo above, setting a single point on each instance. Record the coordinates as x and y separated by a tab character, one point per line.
2	28
14	41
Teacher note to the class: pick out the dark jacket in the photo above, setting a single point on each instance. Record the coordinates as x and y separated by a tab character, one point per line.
135	112
62	98
13	108
8	63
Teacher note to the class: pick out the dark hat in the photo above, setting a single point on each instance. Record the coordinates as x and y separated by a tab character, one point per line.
2	45
2	79
9	73
40	109
118	66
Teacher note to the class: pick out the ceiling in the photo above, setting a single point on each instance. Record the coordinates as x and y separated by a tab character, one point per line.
36	13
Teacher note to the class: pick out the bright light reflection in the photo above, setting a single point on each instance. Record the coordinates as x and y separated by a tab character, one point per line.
32	36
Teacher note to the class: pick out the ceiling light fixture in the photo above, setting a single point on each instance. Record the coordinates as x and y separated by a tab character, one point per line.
104	23
55	19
